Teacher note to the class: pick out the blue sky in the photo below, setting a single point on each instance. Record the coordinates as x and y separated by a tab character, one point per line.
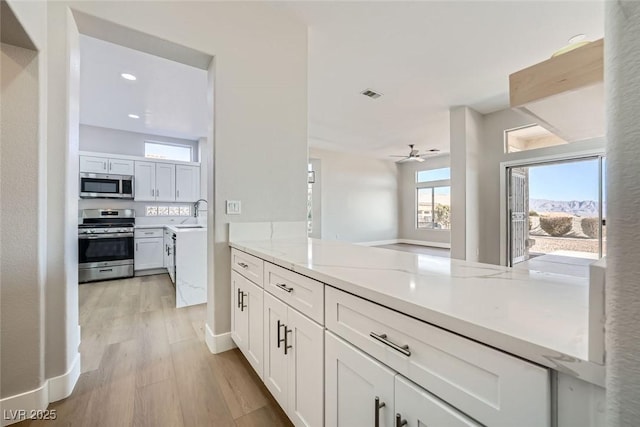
565	181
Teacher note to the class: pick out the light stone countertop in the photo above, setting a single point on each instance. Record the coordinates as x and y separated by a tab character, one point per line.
173	227
541	317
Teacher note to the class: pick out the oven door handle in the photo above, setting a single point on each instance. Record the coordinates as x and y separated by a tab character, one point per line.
104	236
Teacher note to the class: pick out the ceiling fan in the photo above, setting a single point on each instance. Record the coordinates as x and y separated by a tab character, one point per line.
414	156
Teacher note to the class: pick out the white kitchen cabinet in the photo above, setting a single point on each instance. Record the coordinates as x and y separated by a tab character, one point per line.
145	181
91	164
420	408
353	381
165	182
187	183
168	247
275	360
121	166
293	358
148	253
247	320
155	181
106	165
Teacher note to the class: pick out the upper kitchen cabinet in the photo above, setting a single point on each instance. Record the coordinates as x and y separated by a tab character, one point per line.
155	181
187	183
564	94
106	165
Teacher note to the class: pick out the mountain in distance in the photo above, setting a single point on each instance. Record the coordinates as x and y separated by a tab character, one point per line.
582	208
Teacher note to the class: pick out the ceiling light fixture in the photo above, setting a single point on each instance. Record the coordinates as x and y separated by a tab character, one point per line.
371	94
577	38
128	76
134	116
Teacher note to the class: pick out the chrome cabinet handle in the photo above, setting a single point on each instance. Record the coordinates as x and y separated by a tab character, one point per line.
399	421
104	165
177	193
153	193
378	405
284	287
280	340
239	298
286	339
105	270
157	193
243	265
404	349
136	247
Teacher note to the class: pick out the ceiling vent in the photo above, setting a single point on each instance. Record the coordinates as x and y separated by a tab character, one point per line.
371	94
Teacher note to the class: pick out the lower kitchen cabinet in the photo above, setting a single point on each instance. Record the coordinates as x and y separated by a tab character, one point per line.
293	361
362	392
149	253
418	407
358	388
247	320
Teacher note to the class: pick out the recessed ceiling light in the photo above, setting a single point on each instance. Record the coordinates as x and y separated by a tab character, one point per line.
134	116
371	93
128	76
577	38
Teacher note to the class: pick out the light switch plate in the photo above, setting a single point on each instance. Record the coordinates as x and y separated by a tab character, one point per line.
233	207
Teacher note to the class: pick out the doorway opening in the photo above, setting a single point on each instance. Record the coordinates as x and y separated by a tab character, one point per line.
556	215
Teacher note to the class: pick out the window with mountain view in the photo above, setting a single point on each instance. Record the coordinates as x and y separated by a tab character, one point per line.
557	212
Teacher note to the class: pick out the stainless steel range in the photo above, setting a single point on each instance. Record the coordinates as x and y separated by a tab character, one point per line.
105	244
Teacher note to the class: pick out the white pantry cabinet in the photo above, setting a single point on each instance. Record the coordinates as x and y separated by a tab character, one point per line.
247	320
293	362
187	183
106	165
148	253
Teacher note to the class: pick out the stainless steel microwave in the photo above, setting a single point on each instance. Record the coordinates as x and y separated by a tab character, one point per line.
103	186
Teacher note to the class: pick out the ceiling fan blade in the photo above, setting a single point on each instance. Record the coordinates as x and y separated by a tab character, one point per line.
419	159
406	159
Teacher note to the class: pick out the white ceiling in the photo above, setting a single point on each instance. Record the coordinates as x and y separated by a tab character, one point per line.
169	97
424	57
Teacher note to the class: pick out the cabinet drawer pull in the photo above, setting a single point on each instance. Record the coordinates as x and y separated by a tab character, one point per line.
243	306
404	349
284	287
243	265
239	298
280	340
399	421
104	270
378	405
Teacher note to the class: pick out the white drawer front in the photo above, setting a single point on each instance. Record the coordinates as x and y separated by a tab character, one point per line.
490	386
148	232
249	266
304	294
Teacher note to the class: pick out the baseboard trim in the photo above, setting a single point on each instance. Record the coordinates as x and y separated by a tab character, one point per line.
218	343
406	241
38	399
426	243
16	408
378	242
61	387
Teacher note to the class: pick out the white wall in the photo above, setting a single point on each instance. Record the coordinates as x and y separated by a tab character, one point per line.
21	290
260	130
115	141
622	83
407	199
359	197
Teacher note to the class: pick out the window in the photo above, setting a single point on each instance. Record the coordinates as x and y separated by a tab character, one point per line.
433	175
165	151
434	208
529	138
433	199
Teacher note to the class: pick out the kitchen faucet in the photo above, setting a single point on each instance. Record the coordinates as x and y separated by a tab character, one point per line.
196	206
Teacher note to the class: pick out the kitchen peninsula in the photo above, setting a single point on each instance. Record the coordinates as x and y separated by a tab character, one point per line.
481	342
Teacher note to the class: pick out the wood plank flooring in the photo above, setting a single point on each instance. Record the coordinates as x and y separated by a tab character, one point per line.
145	363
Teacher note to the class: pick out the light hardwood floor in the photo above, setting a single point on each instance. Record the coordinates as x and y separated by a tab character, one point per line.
145	363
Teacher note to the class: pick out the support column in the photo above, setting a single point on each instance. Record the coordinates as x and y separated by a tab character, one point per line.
622	84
